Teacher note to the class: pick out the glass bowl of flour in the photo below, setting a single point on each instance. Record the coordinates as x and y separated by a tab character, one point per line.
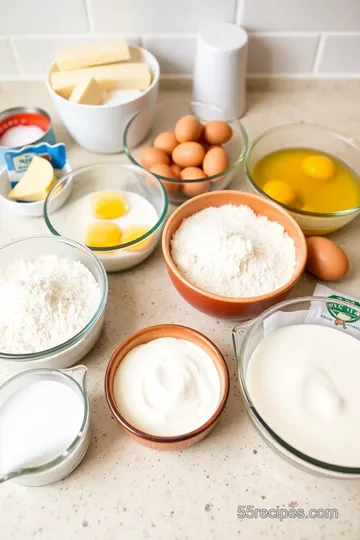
53	293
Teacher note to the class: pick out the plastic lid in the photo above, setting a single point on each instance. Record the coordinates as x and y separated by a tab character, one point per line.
223	36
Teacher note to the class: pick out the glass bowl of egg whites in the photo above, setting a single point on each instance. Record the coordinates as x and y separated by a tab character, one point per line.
116	210
192	147
312	171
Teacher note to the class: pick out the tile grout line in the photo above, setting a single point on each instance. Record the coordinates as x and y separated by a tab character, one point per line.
240	12
319	53
89	18
16	56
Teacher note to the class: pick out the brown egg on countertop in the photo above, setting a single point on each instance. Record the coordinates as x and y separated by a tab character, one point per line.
165	170
217	132
188	154
150	156
188	128
166	141
326	260
216	161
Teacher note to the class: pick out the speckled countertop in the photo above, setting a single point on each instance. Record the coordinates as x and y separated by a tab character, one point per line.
122	490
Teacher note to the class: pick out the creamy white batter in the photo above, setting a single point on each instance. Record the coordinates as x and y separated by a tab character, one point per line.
304	380
167	387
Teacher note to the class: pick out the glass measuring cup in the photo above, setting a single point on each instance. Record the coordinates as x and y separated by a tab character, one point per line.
69	459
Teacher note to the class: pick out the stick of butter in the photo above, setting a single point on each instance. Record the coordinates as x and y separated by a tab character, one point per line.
92	54
126	76
36	182
88	92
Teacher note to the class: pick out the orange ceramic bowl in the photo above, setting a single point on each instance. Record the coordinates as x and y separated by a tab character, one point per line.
145	335
222	306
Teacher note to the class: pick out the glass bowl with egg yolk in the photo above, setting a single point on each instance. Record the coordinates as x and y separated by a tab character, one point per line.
312	171
117	210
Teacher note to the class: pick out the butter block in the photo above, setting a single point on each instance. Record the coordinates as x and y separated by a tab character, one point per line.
126	76
92	54
88	92
36	182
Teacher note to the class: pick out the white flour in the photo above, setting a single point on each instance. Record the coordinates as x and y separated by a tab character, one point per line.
44	302
233	252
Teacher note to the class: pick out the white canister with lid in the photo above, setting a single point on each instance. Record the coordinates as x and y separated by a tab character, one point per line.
44	425
220	67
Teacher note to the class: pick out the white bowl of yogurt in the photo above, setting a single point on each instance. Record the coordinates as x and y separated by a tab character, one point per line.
167	386
299	370
117	210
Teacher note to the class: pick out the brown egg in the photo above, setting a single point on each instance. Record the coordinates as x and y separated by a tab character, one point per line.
192	173
188	154
215	161
326	260
165	170
150	156
176	169
166	141
188	128
217	132
197	188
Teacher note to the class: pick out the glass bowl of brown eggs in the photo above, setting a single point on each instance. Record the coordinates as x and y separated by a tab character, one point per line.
192	147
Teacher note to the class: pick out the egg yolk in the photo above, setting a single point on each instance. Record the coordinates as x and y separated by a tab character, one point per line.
319	167
109	204
134	232
103	235
280	191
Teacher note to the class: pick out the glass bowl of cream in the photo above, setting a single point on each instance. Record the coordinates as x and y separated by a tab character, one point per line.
167	386
298	368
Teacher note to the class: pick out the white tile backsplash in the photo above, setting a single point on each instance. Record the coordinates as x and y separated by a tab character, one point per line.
341	55
176	55
310	38
282	54
43	17
301	15
158	16
7	60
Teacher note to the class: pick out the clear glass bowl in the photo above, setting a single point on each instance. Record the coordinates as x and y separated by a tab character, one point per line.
246	338
165	117
71	351
100	177
307	136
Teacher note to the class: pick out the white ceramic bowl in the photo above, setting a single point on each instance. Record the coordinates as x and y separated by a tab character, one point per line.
32	209
64	464
73	350
100	128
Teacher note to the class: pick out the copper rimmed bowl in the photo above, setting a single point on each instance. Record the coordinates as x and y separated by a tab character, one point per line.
178	442
223	306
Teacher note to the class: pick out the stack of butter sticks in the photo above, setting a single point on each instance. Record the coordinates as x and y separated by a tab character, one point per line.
84	74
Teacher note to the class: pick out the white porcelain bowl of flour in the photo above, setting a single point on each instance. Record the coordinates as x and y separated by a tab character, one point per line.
54	292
